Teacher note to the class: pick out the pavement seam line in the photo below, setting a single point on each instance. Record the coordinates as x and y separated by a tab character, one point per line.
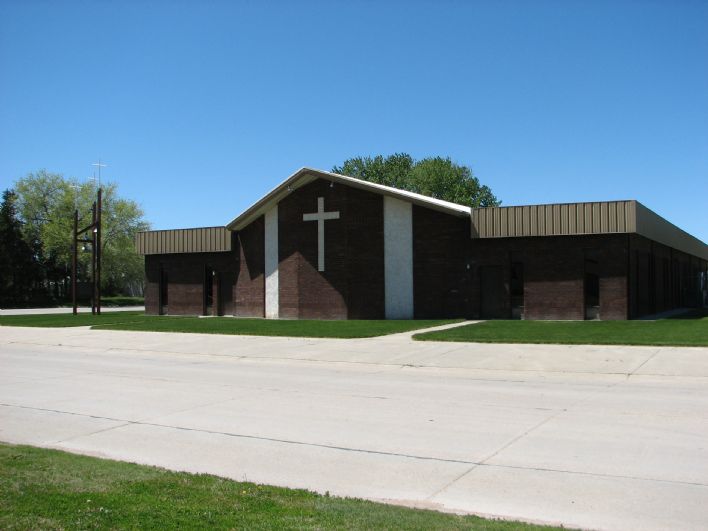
385	368
651	357
449	483
520	436
197	406
246	357
128	423
244	436
585	398
474	464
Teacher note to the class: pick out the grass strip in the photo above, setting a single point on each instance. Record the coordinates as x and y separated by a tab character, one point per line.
122	301
63	320
50	489
138	321
680	332
266	327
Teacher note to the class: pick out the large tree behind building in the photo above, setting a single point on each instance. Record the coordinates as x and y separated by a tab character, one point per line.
437	177
45	206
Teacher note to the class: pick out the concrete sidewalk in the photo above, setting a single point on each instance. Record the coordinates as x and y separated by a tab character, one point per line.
593	437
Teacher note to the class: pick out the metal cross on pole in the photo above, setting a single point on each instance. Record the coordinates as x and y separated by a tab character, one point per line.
100	165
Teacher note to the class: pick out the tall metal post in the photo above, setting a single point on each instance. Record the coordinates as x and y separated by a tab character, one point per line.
74	259
93	258
98	252
95	242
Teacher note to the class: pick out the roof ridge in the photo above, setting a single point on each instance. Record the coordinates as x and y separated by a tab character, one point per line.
286	187
391	188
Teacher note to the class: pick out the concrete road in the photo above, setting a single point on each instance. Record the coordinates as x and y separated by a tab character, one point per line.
592	437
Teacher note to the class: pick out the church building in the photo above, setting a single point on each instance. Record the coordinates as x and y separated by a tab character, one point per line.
328	246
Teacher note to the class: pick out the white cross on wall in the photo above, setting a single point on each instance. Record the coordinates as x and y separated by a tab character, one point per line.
320	217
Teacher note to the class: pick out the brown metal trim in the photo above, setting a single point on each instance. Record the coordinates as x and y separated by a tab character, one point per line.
195	240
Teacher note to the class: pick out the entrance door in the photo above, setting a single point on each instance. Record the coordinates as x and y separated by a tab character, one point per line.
208	297
164	291
225	295
592	288
492	292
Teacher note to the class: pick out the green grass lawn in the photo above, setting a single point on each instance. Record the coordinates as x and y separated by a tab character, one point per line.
48	489
122	301
61	320
690	330
137	321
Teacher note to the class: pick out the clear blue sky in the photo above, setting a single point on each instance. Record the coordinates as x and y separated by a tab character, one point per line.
200	108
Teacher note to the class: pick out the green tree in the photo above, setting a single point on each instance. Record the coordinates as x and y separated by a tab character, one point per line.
433	176
19	271
393	170
46	203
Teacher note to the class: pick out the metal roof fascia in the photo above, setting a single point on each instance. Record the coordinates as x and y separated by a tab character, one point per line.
307	175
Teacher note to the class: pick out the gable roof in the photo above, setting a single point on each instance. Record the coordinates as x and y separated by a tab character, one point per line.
306	175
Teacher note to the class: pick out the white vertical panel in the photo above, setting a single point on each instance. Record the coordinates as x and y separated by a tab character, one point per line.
271	263
398	258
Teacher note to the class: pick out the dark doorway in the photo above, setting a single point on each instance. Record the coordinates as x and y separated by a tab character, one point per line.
209	275
592	289
492	292
225	297
517	290
164	293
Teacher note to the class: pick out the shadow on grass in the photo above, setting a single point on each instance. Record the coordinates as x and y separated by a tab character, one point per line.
695	313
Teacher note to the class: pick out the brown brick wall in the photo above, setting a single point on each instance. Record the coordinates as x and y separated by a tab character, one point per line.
249	288
637	276
186	273
352	285
611	253
441	286
661	278
152	284
554	274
